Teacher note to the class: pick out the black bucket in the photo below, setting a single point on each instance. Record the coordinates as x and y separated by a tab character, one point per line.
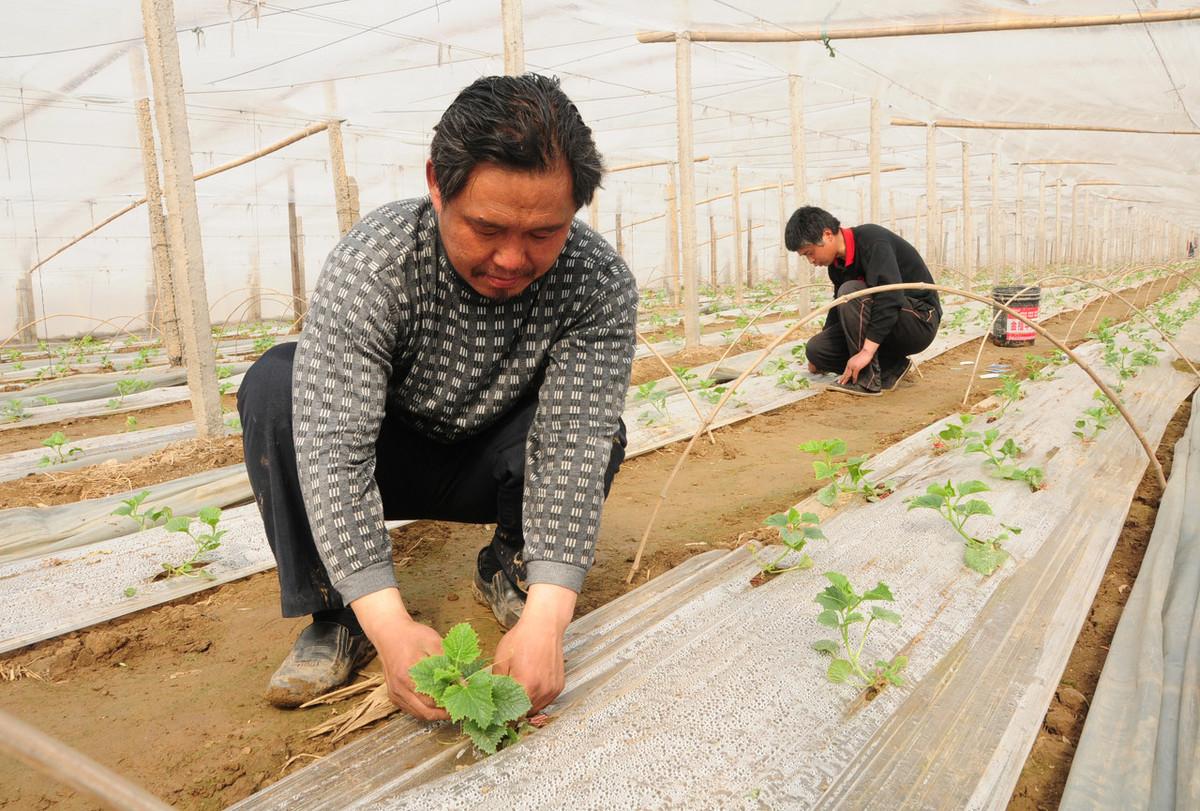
1009	331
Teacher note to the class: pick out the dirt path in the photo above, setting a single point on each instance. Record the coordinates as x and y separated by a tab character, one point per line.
171	697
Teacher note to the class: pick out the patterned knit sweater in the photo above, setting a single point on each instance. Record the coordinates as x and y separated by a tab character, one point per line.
393	328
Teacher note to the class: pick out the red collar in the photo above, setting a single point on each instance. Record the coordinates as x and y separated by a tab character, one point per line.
848	238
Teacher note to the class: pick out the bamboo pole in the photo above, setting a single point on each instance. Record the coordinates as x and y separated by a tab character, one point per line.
160	254
1020	255
860	173
672	247
72	768
783	254
750	251
968	264
311	129
594	212
1058	224
687	193
737	240
1040	250
874	159
995	240
514	37
179	186
931	251
620	246
799	176
1013	23
963	124
647	164
341	184
712	252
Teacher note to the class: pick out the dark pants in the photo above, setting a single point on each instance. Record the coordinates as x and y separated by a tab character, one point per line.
843	337
480	480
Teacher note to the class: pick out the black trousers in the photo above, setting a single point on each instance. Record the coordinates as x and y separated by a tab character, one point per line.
480	480
843	337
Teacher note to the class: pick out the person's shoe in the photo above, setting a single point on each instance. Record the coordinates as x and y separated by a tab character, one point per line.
500	595
857	389
892	377
324	657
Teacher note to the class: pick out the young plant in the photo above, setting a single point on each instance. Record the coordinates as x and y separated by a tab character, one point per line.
55	443
132	507
796	529
845	475
840	605
263	343
982	555
955	434
206	541
487	705
224	384
1001	459
656	398
791	380
1095	419
125	387
131	423
45	400
14	411
1009	392
687	377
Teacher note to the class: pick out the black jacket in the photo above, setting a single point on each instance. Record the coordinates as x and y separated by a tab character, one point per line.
881	257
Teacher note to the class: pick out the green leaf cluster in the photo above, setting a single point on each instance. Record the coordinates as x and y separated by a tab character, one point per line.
952	502
205	540
55	442
796	529
845	475
842	607
487	705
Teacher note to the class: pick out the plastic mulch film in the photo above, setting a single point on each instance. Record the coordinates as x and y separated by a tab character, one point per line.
97	450
651	718
1139	744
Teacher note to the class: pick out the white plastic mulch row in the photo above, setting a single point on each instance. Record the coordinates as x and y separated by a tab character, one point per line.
651	718
762	393
1140	747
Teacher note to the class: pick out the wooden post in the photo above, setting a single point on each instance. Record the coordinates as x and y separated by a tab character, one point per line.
514	37
341	183
995	241
917	217
187	253
296	245
862	206
1073	248
26	311
737	240
931	230
968	238
1106	253
783	254
876	214
160	254
892	211
1020	254
687	191
1058	225
594	212
620	246
671	269
800	181
712	253
352	189
1040	248
749	252
254	310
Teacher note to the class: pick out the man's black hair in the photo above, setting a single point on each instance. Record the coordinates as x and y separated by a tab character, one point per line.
518	122
807	226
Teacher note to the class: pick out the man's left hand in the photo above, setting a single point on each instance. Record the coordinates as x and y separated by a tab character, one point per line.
532	652
855	365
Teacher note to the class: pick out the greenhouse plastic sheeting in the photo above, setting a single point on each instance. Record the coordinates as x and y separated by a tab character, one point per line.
97	450
650	718
255	72
81	388
1139	744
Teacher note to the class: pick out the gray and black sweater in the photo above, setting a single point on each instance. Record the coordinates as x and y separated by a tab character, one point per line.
393	328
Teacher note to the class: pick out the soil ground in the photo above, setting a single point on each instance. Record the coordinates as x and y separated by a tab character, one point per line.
171	697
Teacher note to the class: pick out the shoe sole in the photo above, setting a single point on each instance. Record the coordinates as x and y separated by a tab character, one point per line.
289	697
482	599
855	392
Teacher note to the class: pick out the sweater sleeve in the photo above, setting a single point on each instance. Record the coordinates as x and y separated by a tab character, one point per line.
571	438
339	391
880	267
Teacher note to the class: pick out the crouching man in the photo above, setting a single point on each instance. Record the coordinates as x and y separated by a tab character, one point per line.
465	358
867	341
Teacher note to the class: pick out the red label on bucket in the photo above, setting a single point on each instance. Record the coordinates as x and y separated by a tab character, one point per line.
1017	330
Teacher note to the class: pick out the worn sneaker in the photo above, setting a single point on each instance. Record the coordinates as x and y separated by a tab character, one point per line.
324	657
500	595
892	377
857	389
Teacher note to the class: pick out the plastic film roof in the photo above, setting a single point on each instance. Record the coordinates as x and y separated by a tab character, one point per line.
257	71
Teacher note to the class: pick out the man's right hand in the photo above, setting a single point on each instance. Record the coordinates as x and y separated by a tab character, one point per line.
401	642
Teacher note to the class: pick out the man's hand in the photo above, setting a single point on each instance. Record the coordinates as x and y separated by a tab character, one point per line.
859	362
532	652
401	642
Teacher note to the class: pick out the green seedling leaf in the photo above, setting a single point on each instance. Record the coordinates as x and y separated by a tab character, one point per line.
972	487
880	613
839	670
471	698
984	558
973	507
431	675
827	646
509	698
488	738
927	501
828	495
829	618
462	645
880	592
179	524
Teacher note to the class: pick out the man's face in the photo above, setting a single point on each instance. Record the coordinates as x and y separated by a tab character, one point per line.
506	228
823	253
